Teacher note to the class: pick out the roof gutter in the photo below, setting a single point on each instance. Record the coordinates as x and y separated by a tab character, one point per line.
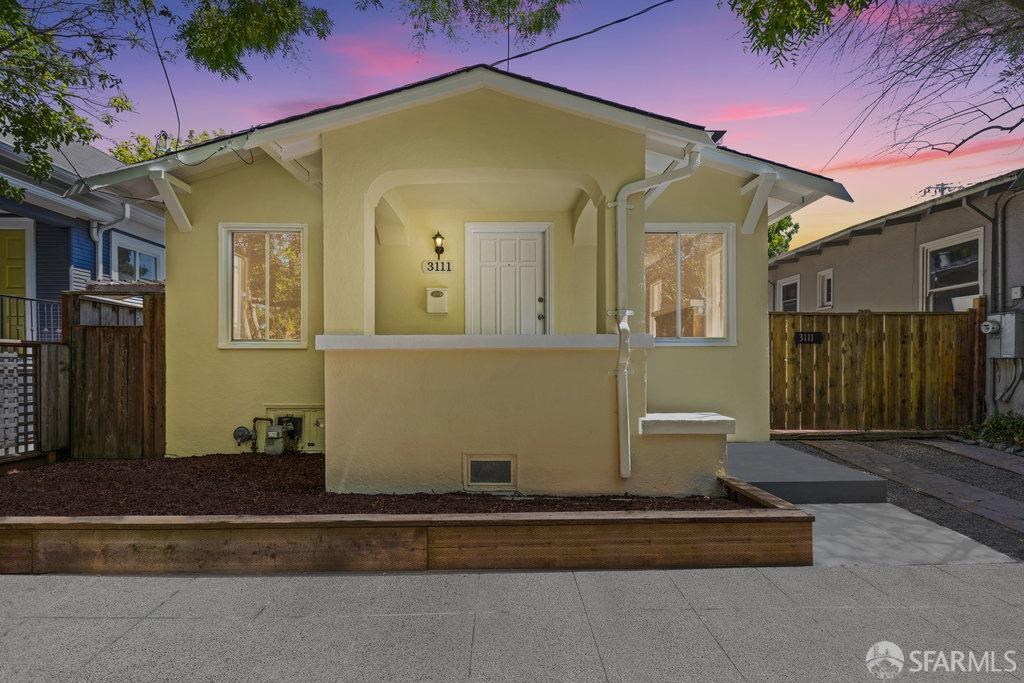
622	310
96	233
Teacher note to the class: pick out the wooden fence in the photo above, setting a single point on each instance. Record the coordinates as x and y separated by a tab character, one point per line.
33	399
117	375
876	371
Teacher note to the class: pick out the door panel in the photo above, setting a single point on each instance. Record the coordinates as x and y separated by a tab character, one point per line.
509	283
12	262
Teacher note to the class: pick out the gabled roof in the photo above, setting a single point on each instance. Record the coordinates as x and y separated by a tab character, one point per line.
294	140
1012	180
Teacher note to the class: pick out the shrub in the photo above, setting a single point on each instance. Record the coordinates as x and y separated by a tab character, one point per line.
1005	428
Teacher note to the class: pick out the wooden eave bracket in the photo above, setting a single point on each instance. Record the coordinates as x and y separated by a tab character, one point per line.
764	184
292	164
167	187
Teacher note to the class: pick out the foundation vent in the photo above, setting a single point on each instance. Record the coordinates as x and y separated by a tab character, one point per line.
490	471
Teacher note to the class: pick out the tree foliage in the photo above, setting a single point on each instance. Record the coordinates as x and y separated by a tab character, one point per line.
939	73
55	82
143	148
780	234
525	18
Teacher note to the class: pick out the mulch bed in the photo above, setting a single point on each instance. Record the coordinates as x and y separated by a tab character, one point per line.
245	484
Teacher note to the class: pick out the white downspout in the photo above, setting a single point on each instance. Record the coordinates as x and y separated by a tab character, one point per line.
622	311
96	232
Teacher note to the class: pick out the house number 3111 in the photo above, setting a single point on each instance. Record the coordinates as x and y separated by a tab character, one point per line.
438	267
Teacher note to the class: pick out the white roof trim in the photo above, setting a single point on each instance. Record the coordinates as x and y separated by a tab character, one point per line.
299	135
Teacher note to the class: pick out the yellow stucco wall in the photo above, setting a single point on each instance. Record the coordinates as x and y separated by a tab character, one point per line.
210	391
407	417
555	411
481	136
732	380
401	283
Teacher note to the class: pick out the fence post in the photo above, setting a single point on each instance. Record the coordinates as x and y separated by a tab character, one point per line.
979	313
863	362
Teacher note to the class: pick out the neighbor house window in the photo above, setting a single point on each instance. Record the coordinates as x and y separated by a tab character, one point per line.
952	271
825	289
688	274
263	285
787	294
135	260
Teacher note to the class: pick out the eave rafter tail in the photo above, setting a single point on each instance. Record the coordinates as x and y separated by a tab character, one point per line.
167	187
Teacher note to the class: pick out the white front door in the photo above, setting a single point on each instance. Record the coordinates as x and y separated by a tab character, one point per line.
505	280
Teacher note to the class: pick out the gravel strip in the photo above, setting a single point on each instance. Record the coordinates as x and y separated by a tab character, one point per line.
956	466
980	529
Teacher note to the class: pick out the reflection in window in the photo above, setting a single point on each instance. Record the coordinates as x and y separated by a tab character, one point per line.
952	272
685	279
136	265
266	290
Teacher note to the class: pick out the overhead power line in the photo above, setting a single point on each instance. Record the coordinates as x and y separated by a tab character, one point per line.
591	32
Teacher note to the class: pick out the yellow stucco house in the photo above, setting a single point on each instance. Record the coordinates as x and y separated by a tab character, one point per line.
478	281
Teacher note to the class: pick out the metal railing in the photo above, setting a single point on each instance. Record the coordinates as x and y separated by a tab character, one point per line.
29	319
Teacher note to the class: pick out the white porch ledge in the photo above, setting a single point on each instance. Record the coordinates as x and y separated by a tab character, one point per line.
330	342
687	423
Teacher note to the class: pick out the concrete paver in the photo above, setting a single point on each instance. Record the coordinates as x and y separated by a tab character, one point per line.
808	624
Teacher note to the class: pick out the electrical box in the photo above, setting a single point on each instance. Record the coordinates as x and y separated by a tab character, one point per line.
1005	332
1017	292
437	299
303	428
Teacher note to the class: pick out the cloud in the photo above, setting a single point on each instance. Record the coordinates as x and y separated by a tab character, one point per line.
287	108
895	160
753	110
385	55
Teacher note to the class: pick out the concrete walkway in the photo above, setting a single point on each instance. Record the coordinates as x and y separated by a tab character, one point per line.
884	534
800	477
808	624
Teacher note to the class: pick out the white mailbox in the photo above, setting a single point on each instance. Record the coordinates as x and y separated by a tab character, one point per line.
437	299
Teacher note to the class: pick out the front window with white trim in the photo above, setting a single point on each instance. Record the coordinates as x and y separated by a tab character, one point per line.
135	260
263	281
952	271
825	288
688	275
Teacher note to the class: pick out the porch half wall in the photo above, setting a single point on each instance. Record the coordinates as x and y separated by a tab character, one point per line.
403	421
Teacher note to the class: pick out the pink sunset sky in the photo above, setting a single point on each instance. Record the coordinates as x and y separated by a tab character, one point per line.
685	60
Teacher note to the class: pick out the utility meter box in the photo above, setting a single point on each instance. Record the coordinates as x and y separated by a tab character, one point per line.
437	299
1005	332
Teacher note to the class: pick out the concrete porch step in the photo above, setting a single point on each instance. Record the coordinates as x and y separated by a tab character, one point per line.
799	477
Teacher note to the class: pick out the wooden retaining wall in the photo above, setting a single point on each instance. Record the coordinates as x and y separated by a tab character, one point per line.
777	535
876	371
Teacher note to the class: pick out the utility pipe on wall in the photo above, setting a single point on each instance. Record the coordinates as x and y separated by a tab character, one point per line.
622	312
96	232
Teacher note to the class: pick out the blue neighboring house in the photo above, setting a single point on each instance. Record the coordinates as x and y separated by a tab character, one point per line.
50	243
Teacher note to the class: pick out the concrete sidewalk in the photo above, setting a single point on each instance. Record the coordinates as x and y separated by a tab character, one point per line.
812	624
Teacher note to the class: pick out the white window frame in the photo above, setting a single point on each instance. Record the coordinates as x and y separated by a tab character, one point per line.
779	284
226	267
973	234
827	274
728	231
118	239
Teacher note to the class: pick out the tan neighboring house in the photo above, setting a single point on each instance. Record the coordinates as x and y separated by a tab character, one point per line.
937	255
479	281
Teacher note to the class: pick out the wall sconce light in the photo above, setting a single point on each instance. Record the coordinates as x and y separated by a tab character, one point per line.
438	244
